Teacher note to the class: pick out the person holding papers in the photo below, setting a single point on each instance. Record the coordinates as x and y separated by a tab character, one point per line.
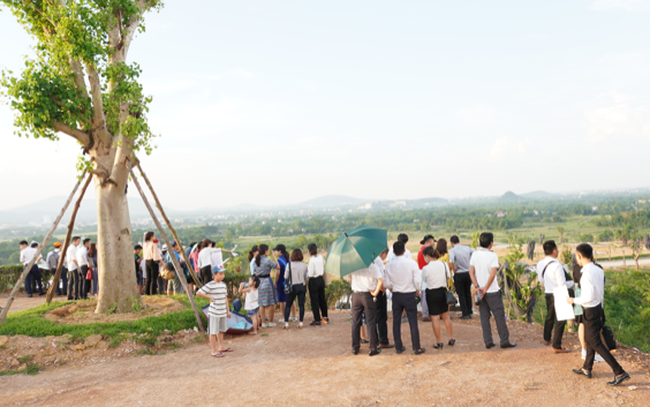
551	273
592	284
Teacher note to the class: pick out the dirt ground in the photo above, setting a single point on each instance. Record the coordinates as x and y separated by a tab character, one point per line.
314	366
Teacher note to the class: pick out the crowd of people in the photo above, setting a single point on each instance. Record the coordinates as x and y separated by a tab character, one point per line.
277	277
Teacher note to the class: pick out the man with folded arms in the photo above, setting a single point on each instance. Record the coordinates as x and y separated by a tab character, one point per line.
366	284
403	279
551	273
483	271
592	286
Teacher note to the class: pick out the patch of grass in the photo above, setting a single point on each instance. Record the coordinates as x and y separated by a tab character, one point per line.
172	345
199	338
146	351
32	369
30	323
25	358
9	372
264	335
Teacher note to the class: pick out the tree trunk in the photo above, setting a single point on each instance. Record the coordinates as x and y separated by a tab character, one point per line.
118	290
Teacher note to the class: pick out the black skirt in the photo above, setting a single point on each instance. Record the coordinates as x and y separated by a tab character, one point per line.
437	301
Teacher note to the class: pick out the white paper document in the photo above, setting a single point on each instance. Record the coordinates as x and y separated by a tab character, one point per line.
563	310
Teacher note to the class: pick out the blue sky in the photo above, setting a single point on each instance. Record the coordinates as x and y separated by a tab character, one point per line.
278	102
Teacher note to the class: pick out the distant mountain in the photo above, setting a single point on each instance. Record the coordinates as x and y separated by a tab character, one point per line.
538	195
329	201
509	197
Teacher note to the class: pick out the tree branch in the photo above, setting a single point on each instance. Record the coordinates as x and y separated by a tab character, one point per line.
99	121
77	134
79	82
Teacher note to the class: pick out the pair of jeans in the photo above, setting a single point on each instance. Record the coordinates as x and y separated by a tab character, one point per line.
317	297
73	285
463	284
492	304
81	289
382	318
593	321
152	277
405	302
362	302
297	291
62	289
550	321
33	275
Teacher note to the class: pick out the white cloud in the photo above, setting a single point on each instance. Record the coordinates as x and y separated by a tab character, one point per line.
478	115
627	5
613	116
505	147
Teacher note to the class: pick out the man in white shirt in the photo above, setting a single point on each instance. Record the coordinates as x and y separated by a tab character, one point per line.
404	238
207	255
53	262
382	305
459	257
82	267
27	254
483	268
551	273
73	278
403	278
592	286
366	284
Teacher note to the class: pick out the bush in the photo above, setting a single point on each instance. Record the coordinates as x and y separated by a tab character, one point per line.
334	293
10	274
586	237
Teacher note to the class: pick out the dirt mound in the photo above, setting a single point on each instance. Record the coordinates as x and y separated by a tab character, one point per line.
84	312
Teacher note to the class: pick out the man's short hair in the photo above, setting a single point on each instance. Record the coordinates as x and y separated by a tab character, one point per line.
74	239
385	251
454	239
398	248
86	240
403	237
34	245
549	247
137	247
486	239
23	242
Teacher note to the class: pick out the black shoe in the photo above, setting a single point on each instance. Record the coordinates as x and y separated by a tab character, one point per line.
465	317
386	345
41	293
400	350
355	351
490	345
508	345
619	379
438	345
587	373
452	341
365	341
315	323
374	352
418	351
29	296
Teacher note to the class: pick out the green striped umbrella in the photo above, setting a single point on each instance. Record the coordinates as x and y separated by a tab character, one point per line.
355	250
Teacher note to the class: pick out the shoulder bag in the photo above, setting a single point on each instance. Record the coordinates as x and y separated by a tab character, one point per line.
451	298
288	282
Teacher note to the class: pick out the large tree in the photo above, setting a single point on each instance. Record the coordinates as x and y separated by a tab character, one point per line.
79	84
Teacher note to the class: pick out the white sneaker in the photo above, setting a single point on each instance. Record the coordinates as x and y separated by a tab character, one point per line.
300	325
286	325
598	358
265	325
270	324
281	320
584	354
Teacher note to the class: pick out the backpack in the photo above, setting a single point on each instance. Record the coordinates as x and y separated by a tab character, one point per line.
168	272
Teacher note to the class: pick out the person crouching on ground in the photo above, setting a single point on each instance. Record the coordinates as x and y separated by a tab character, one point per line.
592	284
251	305
435	275
217	292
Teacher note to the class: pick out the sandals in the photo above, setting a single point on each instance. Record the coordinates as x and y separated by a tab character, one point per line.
452	341
365	341
226	350
438	346
419	351
252	333
217	355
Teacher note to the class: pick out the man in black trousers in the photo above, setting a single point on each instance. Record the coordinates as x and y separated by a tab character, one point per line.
403	279
382	306
366	284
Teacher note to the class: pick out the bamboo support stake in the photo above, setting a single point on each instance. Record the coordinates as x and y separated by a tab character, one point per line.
177	266
169	226
66	242
14	291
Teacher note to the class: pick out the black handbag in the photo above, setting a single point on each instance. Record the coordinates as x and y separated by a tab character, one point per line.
451	298
288	283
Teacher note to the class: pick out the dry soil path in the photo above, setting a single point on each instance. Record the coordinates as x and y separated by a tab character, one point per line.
314	367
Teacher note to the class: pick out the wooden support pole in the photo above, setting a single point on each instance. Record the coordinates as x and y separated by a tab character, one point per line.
14	291
170	227
66	242
177	266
